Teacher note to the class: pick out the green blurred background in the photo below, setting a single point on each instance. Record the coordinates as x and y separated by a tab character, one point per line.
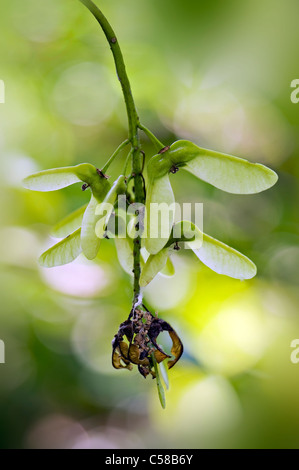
217	73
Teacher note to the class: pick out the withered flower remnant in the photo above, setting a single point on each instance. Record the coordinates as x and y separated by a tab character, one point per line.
136	343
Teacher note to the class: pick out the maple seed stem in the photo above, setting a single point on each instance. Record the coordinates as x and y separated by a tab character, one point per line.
120	69
114	155
133	121
152	137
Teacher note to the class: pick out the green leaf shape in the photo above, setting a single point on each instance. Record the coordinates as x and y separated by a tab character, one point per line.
90	243
118	187
64	252
161	391
103	214
225	260
183	231
124	248
131	230
105	209
186	232
159	192
169	269
70	223
231	174
154	265
226	172
58	178
100	186
159	165
216	255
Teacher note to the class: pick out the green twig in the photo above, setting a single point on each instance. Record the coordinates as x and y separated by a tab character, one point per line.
127	162
133	121
114	155
120	67
152	137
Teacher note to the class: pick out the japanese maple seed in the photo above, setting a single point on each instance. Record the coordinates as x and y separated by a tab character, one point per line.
82	231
